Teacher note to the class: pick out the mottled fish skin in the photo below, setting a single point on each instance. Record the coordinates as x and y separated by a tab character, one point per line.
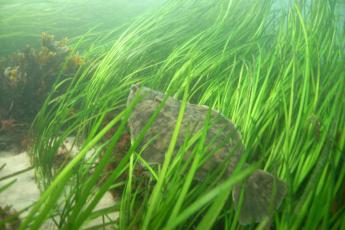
222	137
263	192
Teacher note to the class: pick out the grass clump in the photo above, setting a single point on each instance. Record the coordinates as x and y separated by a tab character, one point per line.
266	69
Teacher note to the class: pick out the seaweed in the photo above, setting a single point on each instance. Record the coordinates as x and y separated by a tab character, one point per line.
27	77
9	218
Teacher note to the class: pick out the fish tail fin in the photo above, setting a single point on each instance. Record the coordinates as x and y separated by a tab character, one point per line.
263	193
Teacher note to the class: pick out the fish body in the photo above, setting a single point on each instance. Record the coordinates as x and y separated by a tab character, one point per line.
222	140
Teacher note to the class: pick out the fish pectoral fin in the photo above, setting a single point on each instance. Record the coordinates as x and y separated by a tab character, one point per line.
262	194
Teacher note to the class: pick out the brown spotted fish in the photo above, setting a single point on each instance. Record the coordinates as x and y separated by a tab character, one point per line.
263	192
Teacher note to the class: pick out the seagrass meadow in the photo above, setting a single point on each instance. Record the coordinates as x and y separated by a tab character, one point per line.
276	69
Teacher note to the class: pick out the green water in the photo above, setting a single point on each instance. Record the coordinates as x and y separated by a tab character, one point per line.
274	68
21	22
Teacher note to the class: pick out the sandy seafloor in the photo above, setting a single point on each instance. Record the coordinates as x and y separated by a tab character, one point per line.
24	192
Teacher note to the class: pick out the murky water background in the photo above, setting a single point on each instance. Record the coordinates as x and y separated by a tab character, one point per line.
21	22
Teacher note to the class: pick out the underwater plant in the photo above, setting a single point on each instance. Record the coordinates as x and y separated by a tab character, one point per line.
267	69
27	77
9	219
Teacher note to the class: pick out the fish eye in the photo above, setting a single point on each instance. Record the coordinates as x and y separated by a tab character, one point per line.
135	87
158	98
